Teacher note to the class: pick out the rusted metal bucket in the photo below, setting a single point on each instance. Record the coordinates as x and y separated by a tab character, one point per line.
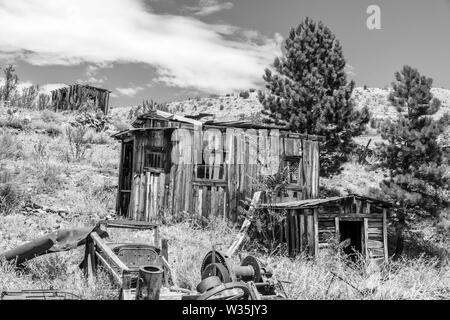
149	283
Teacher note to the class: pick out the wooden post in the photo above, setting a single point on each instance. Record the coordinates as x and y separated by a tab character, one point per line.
385	238
366	237
316	232
165	248
336	226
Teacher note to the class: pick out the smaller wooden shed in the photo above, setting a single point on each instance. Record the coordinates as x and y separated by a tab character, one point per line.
309	225
74	96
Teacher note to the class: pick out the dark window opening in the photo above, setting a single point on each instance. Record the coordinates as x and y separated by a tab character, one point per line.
206	171
293	164
156	158
351	233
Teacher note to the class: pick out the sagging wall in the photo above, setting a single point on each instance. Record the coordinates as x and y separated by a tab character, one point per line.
208	171
74	96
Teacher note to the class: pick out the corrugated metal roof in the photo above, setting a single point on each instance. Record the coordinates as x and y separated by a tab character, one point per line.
311	203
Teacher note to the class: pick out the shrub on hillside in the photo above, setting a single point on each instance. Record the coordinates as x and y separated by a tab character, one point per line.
94	137
96	120
10	147
78	145
10	198
244	94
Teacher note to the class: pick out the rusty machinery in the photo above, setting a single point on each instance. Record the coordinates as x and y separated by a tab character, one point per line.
253	279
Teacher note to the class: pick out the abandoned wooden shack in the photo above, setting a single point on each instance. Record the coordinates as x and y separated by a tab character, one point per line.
171	164
75	96
310	225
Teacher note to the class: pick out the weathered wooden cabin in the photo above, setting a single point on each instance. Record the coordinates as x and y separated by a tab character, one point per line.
74	96
310	225
172	164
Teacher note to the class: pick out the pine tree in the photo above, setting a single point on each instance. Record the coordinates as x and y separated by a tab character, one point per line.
309	91
412	155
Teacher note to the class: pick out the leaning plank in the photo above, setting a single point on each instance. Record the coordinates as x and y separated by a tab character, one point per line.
244	228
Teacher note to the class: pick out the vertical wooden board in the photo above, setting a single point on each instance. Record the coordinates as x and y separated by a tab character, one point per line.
316	169
287	230
297	232
262	151
150	204
336	226
173	171
147	195
219	200
274	149
213	207
385	238
366	237
155	197
205	202
240	159
292	231
225	203
252	138
131	203
189	168
197	150
199	201
306	170
229	146
142	196
310	232
316	232
161	189
302	231
281	227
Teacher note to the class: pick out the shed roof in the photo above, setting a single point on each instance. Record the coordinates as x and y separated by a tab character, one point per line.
82	85
313	203
162	115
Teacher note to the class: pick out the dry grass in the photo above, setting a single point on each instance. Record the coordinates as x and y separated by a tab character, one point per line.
39	163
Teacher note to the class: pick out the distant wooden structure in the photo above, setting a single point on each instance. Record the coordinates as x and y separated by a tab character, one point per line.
170	164
74	96
310	225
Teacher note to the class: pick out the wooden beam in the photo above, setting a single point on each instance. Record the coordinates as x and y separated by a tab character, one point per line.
107	251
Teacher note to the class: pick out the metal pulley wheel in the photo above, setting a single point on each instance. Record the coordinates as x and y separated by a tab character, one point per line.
208	284
256	265
218	270
229	291
216	258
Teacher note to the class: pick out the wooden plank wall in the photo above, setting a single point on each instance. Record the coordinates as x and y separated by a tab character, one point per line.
244	156
312	229
73	97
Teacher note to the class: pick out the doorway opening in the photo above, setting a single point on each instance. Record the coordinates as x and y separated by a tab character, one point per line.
127	178
351	232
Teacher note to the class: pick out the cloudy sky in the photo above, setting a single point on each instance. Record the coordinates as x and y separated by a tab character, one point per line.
171	49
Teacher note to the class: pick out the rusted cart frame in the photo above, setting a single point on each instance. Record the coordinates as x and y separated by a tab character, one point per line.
100	252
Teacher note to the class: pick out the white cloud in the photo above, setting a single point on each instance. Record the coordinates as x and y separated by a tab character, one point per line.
185	51
129	92
207	7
